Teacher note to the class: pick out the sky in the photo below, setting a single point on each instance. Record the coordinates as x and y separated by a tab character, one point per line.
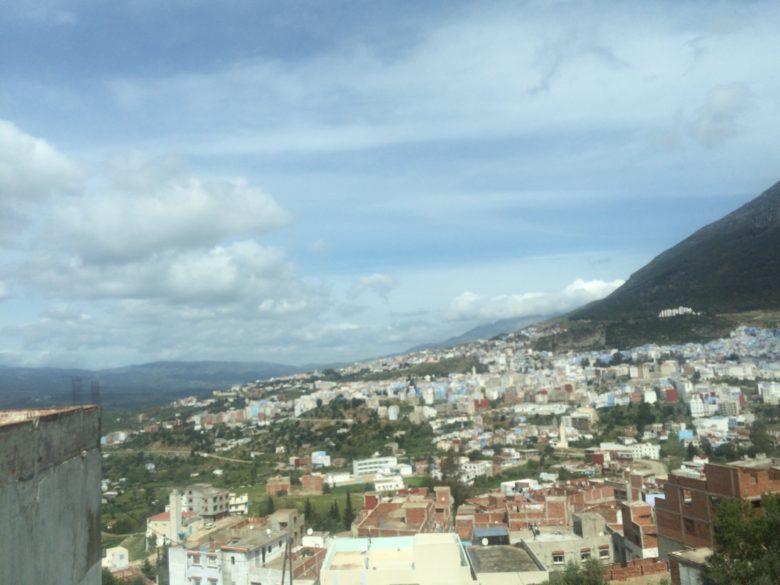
313	182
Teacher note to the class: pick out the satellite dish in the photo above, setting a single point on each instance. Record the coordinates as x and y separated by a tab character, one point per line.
310	531
485	542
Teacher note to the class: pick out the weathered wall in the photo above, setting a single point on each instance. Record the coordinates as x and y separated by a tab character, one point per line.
50	499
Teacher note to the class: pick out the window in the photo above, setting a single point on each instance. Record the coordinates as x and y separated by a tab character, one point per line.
604	552
689	525
558	557
212	560
232	560
196	559
687	497
584	554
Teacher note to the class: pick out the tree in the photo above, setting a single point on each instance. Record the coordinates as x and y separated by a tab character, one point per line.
760	437
308	513
589	573
269	506
334	511
644	417
147	569
747	543
349	514
163	578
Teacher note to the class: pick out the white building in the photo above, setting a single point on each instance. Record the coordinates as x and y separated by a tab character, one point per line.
645	451
770	392
237	554
473	469
388	484
373	465
117	557
433	559
320	459
238	504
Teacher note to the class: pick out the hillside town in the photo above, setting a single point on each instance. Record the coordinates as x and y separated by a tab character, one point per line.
518	465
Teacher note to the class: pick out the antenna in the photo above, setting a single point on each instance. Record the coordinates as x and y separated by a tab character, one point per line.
76	387
94	391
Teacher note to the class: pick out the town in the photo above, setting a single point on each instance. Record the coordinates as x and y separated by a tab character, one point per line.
516	462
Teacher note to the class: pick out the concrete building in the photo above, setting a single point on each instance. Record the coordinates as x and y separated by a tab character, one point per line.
501	564
238	504
684	515
235	555
388	484
432	559
640	535
373	465
312	484
410	512
320	459
116	558
172	526
686	566
237	551
207	501
278	486
50	496
588	540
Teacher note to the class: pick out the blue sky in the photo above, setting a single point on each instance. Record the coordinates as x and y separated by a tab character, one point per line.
308	182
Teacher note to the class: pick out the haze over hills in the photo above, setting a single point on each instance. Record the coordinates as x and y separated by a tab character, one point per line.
728	272
146	384
485	331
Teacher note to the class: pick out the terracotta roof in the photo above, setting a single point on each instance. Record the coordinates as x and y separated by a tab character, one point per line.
166	516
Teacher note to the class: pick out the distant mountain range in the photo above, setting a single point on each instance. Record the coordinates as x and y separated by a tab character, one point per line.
728	272
485	331
147	384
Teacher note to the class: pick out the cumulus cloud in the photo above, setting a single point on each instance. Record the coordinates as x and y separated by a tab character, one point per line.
159	213
720	117
237	272
30	170
377	284
471	306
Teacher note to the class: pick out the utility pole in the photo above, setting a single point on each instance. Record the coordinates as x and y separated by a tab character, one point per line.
287	559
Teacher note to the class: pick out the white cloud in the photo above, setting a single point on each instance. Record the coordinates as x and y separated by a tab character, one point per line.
162	211
469	306
378	284
719	118
31	169
243	271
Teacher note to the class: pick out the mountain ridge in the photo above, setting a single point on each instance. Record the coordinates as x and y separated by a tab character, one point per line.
731	265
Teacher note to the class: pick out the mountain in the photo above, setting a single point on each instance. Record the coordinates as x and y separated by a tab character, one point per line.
147	384
485	331
728	272
729	266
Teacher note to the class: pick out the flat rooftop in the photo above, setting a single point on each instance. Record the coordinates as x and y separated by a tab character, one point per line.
386	553
501	559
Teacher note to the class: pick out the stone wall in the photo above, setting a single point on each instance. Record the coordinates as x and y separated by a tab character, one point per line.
50	471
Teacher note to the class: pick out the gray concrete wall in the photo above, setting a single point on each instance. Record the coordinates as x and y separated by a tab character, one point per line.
50	471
